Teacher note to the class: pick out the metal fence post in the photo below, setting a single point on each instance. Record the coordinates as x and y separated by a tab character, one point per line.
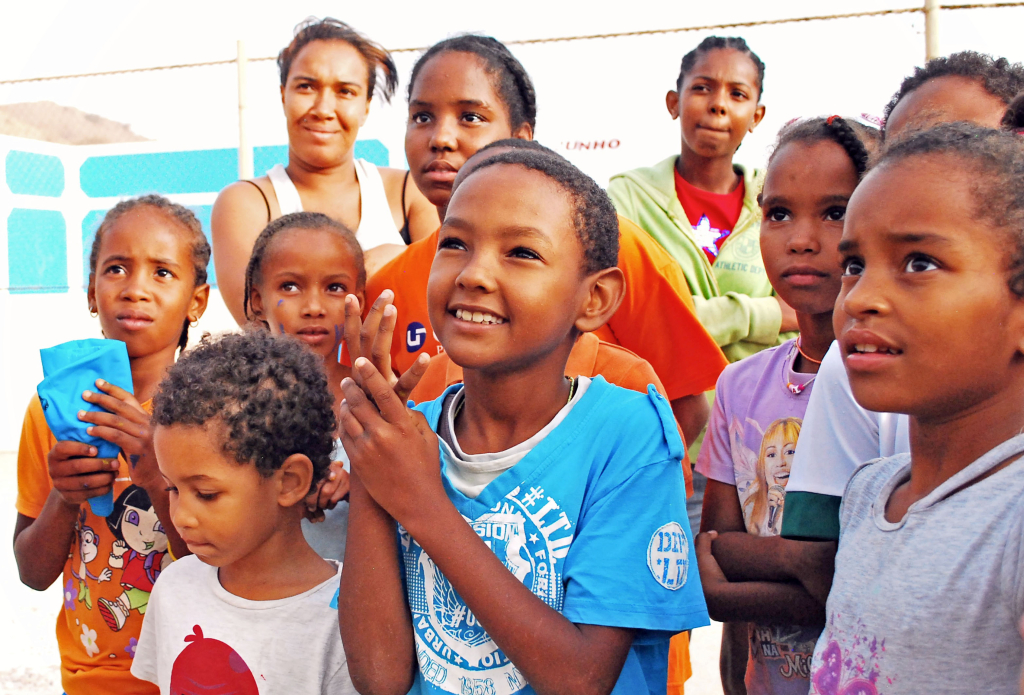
245	165
931	29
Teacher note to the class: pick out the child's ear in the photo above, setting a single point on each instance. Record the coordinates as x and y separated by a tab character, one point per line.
200	300
758	117
607	288
294	478
523	132
256	304
672	103
91	293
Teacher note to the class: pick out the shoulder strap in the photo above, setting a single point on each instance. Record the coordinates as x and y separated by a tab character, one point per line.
264	195
404	231
287	194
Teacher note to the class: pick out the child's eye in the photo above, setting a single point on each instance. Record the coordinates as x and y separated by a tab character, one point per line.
473	117
778	215
420	118
835	214
164	273
336	287
114	270
699	88
523	252
206	496
453	243
289	287
853	266
739	95
171	490
920	263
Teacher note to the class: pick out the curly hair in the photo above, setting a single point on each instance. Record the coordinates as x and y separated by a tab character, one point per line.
713	43
857	140
199	249
593	215
995	159
1013	120
269	393
297	220
1000	77
377	58
508	75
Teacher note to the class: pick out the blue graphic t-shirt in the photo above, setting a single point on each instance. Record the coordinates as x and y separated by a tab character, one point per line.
593	520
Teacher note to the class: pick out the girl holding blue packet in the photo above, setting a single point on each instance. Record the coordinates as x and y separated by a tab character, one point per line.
147	284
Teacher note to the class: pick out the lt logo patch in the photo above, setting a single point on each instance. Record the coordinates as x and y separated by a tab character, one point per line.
415	336
668	556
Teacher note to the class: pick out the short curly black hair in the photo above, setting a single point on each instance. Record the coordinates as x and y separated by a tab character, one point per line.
199	246
712	43
995	159
999	76
1013	119
593	215
510	78
858	141
377	58
297	220
269	393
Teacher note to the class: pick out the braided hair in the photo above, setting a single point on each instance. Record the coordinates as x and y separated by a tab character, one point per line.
856	139
713	43
296	220
199	248
510	78
269	393
593	215
1000	77
329	29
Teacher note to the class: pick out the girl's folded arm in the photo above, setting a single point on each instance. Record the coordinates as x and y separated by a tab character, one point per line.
41	544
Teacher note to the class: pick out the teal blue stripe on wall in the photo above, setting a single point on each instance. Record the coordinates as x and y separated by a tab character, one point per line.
31	173
194	171
93	218
37	252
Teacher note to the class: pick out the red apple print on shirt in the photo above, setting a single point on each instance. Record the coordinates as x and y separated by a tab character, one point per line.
210	667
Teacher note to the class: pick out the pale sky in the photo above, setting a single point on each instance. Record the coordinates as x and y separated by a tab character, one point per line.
587	90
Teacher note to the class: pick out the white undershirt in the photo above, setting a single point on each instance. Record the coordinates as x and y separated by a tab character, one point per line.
471	473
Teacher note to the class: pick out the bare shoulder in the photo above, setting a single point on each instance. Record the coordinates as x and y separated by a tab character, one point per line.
244	206
244	194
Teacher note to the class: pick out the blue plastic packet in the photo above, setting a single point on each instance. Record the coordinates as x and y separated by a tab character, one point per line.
68	370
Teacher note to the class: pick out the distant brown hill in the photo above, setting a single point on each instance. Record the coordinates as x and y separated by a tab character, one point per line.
45	120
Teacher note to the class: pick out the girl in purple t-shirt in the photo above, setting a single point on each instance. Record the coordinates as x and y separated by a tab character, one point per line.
750	575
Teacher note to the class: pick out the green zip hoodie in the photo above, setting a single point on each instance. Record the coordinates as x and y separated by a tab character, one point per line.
733	297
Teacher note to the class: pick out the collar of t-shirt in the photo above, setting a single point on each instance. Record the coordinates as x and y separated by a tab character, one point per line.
712	215
471	473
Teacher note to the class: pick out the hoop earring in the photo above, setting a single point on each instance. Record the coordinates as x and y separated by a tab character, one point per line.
193	324
93	312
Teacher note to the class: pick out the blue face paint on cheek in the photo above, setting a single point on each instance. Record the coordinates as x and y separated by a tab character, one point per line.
281	328
280	302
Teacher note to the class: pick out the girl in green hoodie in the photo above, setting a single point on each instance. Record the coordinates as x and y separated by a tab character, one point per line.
702	208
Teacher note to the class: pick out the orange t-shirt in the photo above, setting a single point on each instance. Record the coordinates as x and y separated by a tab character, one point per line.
589	357
112	564
656	319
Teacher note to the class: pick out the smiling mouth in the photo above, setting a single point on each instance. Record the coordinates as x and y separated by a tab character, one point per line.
869	349
481	317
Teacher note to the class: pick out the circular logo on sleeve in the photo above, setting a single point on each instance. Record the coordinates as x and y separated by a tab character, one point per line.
415	336
668	556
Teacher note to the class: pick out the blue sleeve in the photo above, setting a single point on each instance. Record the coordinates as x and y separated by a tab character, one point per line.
632	563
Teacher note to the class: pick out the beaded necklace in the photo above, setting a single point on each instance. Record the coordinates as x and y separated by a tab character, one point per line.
797	389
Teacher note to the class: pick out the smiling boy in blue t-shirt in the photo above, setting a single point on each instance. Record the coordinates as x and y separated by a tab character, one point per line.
542	539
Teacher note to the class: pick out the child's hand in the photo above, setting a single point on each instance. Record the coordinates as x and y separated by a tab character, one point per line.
76	476
710	572
372	339
393	451
332	490
126	425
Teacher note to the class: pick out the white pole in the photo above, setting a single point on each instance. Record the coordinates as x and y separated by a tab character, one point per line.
931	29
245	166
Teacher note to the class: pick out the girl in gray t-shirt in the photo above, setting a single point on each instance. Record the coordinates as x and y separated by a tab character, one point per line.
929	581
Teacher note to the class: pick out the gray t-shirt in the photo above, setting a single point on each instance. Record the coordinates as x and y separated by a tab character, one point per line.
931	603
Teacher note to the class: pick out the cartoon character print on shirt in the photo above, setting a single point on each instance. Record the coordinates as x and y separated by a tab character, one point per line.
761	477
140	552
210	667
88	550
854	667
531	535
